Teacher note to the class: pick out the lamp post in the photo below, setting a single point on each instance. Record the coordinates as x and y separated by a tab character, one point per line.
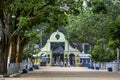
40	30
41	37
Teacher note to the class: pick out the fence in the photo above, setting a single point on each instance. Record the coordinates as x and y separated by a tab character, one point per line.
106	65
17	67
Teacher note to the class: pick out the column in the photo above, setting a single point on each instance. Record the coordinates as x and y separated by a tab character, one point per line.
83	47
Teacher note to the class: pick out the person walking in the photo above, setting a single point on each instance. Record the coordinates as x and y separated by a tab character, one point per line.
65	63
68	64
62	64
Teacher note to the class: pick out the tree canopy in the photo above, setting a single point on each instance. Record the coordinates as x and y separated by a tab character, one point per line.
19	16
100	20
97	19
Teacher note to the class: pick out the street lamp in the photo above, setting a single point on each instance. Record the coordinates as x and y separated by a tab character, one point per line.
40	30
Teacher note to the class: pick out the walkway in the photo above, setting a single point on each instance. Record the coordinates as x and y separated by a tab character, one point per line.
67	73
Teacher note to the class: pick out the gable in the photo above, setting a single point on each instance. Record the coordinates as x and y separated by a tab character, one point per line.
57	37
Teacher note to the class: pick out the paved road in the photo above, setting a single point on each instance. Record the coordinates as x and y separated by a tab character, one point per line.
72	73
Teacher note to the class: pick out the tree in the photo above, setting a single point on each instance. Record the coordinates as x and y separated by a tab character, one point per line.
87	26
30	47
96	21
28	14
5	22
100	53
114	32
112	11
99	20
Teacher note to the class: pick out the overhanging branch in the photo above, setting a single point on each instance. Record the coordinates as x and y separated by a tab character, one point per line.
15	32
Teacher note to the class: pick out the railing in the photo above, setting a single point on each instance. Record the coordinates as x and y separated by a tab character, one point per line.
17	67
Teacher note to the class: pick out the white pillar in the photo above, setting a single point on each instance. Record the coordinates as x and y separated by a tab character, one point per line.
48	42
83	47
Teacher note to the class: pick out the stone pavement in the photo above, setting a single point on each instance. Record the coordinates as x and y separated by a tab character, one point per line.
67	73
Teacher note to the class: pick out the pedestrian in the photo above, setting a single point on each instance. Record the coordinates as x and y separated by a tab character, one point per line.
53	61
65	63
61	63
68	64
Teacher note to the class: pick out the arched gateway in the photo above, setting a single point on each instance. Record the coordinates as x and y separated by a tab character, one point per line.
58	49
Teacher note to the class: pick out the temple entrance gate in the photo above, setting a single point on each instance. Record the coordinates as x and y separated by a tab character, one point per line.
57	50
57	53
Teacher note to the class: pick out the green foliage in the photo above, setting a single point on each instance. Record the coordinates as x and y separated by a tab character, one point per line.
22	22
75	24
31	13
114	43
87	26
32	35
31	49
45	11
100	6
102	54
114	32
101	21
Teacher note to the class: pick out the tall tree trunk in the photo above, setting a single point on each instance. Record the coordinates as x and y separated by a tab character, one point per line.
20	54
22	42
4	43
14	50
14	39
3	46
1	49
6	46
1	34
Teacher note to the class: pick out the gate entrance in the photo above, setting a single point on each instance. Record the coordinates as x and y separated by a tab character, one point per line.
57	53
58	50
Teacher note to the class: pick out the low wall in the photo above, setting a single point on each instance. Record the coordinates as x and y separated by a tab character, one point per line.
106	65
114	66
17	67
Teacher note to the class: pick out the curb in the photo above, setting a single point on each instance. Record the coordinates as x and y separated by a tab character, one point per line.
12	75
16	74
1	76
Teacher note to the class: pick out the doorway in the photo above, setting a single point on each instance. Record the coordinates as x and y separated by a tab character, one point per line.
57	53
43	59
58	56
